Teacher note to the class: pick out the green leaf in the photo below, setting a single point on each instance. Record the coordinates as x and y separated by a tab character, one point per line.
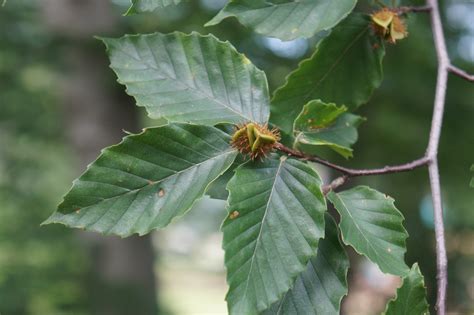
411	296
147	180
372	225
345	69
288	19
321	124
217	190
140	6
317	115
321	287
276	218
472	180
190	78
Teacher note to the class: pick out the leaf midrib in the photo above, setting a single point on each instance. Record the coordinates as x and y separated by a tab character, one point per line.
209	97
356	225
157	182
280	165
336	63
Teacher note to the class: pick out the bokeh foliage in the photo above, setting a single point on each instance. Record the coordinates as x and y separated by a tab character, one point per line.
42	271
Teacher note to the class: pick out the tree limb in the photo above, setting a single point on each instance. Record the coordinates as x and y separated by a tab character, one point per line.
432	152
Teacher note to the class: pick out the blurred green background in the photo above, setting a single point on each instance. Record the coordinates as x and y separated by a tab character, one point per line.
60	104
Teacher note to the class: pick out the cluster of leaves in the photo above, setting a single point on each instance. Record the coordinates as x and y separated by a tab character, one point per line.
282	250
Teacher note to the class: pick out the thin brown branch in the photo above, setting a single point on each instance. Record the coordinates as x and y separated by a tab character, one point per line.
414	9
461	73
351	172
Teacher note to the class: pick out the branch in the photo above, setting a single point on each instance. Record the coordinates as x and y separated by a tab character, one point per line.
444	66
351	172
461	73
425	9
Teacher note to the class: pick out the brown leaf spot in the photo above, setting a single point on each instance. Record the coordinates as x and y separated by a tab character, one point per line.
161	192
314	127
234	214
78	210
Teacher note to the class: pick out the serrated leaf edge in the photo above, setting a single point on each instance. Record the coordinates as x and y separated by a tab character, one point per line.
51	219
106	41
392	201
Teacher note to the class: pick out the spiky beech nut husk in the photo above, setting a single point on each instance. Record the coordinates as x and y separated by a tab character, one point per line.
388	24
382	20
255	140
398	29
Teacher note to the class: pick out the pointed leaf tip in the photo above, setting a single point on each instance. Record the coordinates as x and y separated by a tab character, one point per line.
411	296
147	180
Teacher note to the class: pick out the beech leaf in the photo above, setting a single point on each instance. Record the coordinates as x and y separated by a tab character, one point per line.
321	287
372	225
411	296
147	180
190	78
321	124
288	19
276	218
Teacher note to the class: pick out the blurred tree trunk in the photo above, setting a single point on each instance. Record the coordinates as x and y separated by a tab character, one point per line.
123	281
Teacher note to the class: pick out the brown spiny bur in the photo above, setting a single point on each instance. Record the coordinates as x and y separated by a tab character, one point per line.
388	24
255	140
